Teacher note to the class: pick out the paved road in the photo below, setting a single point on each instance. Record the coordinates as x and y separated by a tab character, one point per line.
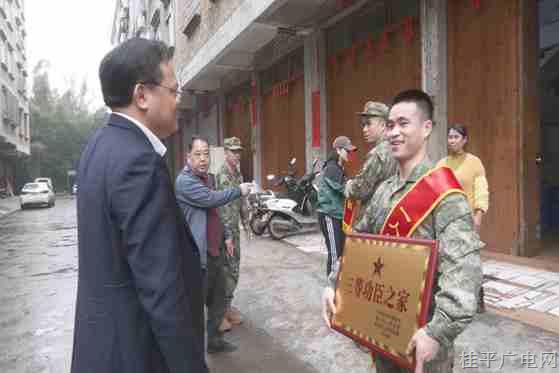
279	297
37	288
38	277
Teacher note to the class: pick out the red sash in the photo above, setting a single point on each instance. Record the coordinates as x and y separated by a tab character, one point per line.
419	201
349	215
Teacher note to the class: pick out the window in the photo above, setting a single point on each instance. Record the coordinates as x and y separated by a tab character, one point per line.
20	119
155	21
192	26
11	64
2	52
141	25
4	97
10	17
124	20
3	6
193	18
171	26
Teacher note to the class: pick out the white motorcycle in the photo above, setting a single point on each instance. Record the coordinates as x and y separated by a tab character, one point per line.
295	213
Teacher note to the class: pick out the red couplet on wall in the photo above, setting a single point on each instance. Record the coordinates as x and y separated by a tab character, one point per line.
316	119
253	113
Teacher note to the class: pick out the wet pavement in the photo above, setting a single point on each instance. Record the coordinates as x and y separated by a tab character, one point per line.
38	269
278	295
8	206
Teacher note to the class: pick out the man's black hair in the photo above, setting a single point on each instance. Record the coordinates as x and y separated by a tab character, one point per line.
134	61
460	128
421	99
196	138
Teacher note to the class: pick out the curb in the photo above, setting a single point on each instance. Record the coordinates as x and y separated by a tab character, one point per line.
9	207
5	214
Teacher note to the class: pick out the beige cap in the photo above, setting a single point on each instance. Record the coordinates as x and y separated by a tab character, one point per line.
375	109
232	143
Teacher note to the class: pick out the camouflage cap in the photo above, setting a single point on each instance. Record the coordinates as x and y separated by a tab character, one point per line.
376	109
232	143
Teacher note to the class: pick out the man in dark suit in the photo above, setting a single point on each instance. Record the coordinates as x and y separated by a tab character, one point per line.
139	306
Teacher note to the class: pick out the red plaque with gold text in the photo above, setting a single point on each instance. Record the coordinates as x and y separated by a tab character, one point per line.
383	292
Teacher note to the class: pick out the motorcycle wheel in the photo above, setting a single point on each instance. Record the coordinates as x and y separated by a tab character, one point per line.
256	226
274	227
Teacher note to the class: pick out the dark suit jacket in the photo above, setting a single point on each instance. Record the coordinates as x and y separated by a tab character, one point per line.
139	305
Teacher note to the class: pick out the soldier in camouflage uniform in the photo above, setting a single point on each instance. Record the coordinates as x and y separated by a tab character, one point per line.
458	276
228	176
380	164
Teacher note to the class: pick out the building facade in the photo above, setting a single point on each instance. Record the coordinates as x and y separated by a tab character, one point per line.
151	19
15	134
287	76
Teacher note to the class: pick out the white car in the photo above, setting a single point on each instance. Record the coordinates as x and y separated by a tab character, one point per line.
36	194
46	180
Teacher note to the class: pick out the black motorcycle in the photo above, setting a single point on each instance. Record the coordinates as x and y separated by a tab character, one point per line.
303	190
286	213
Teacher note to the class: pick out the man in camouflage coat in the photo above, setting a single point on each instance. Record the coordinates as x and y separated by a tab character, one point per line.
228	176
458	276
380	164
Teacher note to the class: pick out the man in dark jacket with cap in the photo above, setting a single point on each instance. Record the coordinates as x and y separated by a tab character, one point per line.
330	206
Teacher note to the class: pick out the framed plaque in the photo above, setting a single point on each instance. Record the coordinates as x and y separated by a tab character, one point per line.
383	292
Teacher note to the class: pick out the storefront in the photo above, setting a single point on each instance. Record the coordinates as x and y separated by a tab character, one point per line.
371	55
283	115
238	123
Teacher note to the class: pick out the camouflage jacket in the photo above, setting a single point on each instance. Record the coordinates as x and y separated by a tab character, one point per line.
379	166
231	212
459	274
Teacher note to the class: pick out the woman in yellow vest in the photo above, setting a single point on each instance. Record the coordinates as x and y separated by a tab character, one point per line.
471	174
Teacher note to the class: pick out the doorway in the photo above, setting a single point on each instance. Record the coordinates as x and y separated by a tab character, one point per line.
548	26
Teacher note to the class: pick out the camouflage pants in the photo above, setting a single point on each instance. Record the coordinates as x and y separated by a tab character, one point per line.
231	268
443	363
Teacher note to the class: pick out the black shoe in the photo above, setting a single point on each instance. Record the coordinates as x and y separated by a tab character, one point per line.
220	346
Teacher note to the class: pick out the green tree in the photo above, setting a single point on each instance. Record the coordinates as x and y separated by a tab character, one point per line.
60	127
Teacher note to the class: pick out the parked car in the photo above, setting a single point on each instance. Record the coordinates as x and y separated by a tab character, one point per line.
75	189
36	194
46	180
